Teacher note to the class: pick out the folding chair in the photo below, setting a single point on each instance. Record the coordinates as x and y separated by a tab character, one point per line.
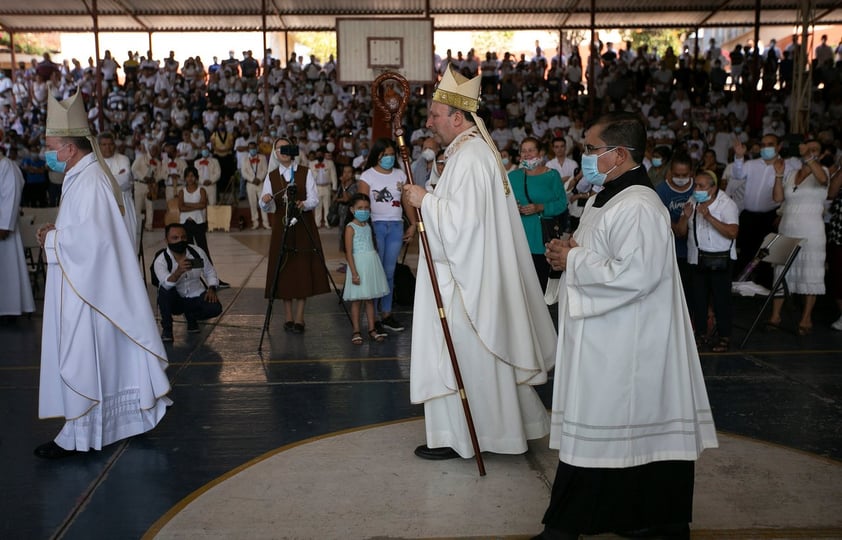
173	214
219	217
777	250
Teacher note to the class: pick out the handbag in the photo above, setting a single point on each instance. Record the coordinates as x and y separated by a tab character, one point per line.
551	227
333	214
713	261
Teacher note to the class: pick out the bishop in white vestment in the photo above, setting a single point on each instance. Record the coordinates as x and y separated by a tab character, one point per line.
501	328
15	288
102	360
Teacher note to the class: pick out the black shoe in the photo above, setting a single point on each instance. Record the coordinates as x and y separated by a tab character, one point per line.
391	323
223	285
193	327
298	328
289	326
51	450
426	452
166	335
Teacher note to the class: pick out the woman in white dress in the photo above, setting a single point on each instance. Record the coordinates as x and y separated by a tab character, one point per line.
803	193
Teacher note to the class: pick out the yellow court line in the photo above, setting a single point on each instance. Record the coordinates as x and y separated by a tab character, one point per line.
182	504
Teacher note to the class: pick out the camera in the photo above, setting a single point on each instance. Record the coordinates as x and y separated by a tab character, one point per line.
290	150
197	263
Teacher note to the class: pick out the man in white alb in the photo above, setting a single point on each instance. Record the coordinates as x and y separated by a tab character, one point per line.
102	360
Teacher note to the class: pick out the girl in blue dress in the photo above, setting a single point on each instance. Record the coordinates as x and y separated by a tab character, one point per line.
365	279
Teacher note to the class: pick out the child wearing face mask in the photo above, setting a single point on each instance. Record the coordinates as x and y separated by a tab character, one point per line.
365	279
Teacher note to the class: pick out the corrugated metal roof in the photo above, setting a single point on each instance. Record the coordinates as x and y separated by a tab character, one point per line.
304	15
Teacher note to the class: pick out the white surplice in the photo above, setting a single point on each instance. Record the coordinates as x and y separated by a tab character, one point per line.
501	328
102	360
15	288
628	383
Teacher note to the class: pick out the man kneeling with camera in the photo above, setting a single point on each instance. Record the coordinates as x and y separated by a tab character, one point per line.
186	282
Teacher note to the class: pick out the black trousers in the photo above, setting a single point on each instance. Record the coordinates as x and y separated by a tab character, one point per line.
197	233
716	286
194	309
657	495
754	226
542	269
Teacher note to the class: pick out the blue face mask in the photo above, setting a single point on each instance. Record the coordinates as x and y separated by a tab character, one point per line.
205	153
387	162
590	168
362	215
768	152
657	162
252	151
51	156
701	196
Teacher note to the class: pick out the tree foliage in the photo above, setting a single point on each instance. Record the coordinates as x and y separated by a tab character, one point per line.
28	43
658	39
321	44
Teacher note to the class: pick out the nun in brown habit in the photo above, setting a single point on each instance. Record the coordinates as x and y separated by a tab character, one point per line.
303	273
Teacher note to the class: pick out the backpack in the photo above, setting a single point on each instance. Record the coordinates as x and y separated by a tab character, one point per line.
153	277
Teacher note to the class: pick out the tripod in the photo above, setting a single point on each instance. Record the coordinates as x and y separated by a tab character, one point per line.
293	218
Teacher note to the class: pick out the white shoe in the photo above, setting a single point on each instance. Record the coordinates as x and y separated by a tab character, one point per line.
837	325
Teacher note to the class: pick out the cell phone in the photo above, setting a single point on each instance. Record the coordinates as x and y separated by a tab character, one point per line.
197	263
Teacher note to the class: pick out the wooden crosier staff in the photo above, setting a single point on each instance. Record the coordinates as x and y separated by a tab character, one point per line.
393	106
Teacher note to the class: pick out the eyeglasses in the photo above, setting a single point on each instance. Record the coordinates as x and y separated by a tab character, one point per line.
591	149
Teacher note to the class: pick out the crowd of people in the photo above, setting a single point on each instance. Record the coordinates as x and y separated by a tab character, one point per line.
167	116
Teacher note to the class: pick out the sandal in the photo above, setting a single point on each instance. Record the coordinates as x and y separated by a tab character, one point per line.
376	336
357	338
722	345
804	330
773	325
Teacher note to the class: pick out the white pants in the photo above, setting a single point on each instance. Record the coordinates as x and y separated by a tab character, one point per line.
323	207
142	205
253	195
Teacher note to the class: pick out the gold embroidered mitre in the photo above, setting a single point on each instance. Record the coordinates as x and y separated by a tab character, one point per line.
456	90
67	118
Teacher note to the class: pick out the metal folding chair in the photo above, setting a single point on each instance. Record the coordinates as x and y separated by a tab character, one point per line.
777	250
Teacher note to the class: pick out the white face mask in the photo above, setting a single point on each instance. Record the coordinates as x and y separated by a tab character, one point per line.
428	154
681	181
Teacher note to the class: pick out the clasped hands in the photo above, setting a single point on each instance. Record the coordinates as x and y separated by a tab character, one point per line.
557	252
